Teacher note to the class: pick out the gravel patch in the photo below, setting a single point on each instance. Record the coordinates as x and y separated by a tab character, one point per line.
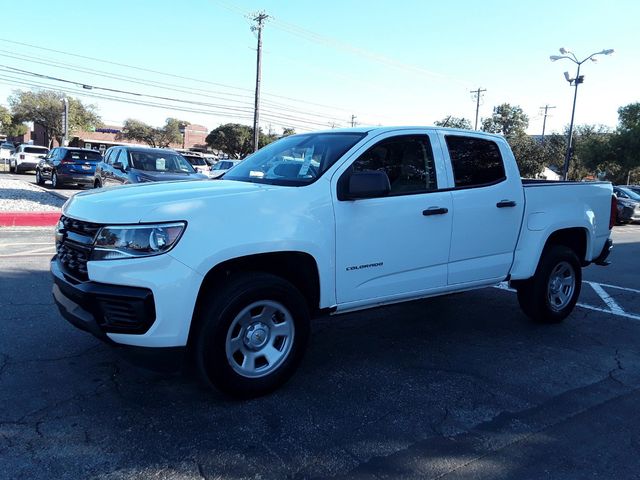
19	196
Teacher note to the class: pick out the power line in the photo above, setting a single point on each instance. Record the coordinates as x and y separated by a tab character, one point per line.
273	114
165	86
298	124
157	72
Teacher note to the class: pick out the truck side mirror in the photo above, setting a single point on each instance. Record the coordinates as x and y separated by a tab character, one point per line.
370	184
118	166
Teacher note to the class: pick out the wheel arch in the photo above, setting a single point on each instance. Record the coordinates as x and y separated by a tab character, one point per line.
575	238
298	268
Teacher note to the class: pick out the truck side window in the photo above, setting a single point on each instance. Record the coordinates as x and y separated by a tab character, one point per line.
407	160
475	161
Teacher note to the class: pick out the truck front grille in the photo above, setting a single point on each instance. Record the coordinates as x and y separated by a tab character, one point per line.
74	243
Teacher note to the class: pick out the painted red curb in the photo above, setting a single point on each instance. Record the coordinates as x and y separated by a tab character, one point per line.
28	219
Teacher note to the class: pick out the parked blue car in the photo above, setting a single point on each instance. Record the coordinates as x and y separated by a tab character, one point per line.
67	165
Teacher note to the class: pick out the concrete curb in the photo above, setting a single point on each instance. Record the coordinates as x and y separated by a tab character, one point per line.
29	219
50	192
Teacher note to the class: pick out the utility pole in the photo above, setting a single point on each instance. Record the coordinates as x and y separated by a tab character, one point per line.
259	19
477	95
546	108
353	120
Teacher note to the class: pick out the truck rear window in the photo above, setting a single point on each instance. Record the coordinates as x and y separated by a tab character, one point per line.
475	161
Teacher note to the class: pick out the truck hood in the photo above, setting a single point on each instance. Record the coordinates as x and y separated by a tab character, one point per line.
153	202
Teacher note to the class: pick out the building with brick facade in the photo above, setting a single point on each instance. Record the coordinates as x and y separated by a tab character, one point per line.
107	136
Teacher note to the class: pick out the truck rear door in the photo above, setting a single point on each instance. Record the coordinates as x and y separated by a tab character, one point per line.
488	205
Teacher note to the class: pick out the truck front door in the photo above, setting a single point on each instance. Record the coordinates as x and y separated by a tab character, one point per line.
395	246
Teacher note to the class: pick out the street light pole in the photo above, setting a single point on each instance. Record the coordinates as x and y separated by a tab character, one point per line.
567	158
574	82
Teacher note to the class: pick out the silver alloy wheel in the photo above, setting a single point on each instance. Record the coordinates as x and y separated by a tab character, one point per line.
259	339
562	284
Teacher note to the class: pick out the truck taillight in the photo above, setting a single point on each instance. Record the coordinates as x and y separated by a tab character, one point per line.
614	212
22	156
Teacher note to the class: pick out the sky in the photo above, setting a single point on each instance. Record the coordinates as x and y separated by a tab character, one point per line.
406	62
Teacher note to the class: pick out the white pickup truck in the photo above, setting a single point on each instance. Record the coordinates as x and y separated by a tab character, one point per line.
229	273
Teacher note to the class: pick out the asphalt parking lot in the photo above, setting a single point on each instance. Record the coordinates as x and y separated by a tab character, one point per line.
453	387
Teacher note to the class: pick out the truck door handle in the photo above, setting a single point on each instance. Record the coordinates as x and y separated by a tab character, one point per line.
435	211
505	203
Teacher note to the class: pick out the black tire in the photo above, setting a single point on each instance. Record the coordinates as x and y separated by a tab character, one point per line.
538	296
97	183
219	319
39	179
11	169
55	183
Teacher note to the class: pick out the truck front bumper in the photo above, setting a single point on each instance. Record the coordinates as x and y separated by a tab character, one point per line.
102	309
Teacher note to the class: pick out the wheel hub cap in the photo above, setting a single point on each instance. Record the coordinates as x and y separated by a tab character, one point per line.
260	338
256	336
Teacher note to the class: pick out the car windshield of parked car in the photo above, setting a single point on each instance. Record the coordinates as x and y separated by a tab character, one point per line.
224	165
160	162
630	193
37	150
83	155
296	160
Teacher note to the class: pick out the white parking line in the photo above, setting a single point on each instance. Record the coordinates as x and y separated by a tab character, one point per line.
606	298
30	244
613	309
15	255
619	288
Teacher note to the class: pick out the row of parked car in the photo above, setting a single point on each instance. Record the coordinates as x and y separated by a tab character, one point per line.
127	164
120	165
628	203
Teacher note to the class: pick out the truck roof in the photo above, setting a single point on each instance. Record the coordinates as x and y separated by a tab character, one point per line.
384	129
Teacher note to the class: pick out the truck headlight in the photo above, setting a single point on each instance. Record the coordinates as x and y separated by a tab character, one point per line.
133	241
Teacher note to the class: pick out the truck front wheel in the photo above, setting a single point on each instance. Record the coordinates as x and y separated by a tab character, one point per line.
252	335
551	294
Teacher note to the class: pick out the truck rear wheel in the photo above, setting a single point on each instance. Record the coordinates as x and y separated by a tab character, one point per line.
252	335
551	294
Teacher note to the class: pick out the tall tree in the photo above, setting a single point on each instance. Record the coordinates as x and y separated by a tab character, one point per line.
8	126
454	122
158	137
507	120
234	139
512	122
625	143
45	108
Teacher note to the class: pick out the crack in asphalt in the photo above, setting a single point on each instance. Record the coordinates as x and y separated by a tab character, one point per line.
619	367
4	362
64	357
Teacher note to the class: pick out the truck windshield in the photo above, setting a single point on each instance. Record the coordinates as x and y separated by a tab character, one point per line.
296	160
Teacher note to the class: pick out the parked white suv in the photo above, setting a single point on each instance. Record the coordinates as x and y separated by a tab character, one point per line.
232	271
26	157
221	167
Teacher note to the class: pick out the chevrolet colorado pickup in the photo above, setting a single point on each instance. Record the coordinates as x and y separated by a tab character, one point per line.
227	274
